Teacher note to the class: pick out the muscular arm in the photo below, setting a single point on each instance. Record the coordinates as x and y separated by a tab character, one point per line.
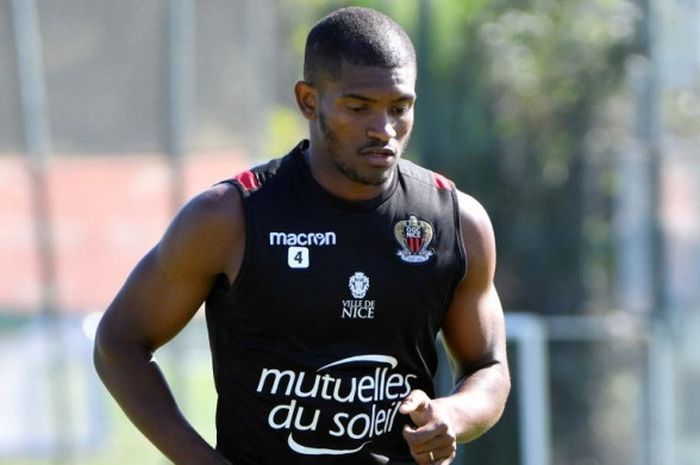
160	296
474	333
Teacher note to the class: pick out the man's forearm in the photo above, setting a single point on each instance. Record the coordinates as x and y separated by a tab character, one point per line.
137	384
477	401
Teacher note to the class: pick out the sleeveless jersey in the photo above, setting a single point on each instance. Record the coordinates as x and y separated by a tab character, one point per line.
332	318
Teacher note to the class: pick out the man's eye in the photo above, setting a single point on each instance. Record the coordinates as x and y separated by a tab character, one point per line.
399	110
356	108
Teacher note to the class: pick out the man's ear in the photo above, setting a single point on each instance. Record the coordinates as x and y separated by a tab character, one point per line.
307	99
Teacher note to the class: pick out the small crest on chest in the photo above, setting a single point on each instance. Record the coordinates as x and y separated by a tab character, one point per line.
414	236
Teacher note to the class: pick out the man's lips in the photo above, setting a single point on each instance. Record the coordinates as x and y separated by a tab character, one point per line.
382	152
379	157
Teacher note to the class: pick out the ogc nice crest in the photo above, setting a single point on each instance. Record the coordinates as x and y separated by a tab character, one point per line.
414	237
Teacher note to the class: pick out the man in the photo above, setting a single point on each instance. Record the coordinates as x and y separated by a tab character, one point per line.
327	275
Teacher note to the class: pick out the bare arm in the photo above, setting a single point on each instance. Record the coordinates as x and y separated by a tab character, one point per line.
474	333
161	295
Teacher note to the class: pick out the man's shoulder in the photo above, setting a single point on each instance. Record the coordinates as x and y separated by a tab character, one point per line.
471	210
477	230
249	181
424	176
205	233
211	216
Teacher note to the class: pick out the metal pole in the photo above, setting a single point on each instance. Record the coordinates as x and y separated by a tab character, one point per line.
180	84
641	276
181	14
662	394
259	32
530	333
661	398
37	140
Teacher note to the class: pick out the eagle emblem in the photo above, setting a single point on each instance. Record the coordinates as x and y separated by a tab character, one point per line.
414	236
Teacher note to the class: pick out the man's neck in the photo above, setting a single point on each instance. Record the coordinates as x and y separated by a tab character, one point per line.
331	179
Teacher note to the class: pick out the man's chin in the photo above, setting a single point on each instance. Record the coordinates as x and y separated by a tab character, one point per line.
377	180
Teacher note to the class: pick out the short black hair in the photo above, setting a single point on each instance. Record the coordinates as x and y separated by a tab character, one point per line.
360	36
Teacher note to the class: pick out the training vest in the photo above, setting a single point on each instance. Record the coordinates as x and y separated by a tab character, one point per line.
333	316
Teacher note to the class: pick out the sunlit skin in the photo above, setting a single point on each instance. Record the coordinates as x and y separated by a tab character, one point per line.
359	125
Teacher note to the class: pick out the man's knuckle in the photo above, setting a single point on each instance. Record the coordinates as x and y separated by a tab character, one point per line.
442	428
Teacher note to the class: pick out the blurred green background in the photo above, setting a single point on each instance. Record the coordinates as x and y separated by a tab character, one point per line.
575	122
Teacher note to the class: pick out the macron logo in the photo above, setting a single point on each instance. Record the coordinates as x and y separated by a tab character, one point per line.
302	239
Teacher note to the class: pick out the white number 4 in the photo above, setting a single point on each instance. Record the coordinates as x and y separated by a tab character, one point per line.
298	257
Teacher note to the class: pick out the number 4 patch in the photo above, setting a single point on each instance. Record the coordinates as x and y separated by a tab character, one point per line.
298	257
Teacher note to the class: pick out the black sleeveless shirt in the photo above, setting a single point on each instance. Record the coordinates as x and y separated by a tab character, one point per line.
332	319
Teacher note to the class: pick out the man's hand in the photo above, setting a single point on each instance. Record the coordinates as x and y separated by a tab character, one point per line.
433	440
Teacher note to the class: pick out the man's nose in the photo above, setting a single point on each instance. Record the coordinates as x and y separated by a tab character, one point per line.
382	127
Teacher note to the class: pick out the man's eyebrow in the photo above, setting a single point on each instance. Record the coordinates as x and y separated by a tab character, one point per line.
402	98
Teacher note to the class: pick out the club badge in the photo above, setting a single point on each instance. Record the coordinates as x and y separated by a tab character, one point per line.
414	237
359	285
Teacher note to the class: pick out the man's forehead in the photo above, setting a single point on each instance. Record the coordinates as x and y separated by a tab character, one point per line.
354	78
402	73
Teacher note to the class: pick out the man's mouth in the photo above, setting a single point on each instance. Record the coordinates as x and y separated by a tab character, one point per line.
383	152
379	157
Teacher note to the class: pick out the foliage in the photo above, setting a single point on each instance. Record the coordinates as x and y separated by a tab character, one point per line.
285	130
511	99
508	95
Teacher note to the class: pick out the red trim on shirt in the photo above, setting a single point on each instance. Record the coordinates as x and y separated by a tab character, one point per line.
248	180
442	182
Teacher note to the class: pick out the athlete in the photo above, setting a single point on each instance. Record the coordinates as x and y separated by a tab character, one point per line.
327	275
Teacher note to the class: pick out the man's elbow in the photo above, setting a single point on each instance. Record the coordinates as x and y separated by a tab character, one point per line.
104	349
113	351
503	391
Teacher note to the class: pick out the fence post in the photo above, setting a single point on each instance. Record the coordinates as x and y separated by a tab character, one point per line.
530	334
